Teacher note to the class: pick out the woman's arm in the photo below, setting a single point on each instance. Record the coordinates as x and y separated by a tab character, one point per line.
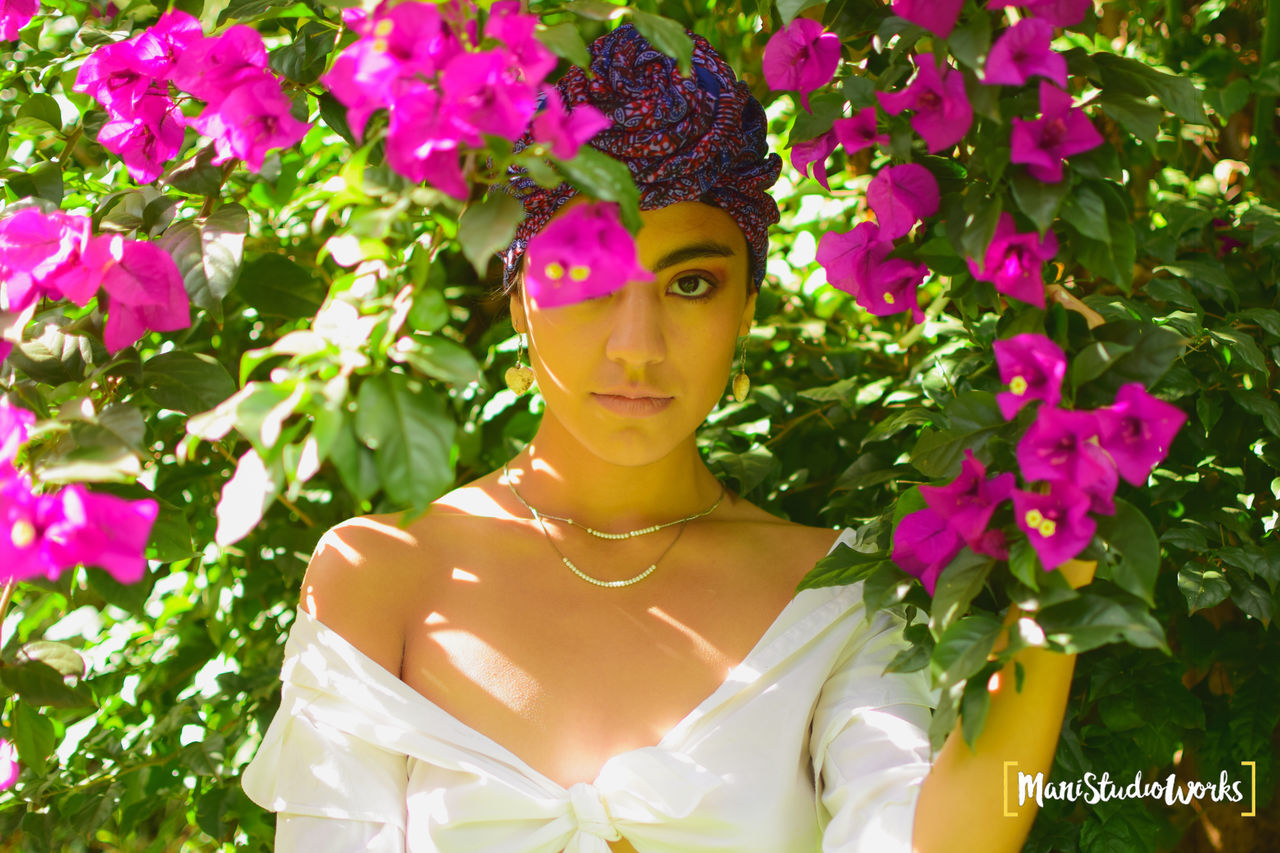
961	805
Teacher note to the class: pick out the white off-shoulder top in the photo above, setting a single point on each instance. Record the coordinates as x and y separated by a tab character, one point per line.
806	746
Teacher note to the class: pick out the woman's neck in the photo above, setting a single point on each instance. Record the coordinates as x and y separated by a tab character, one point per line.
558	476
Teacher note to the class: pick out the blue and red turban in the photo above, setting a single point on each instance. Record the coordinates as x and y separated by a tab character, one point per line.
698	138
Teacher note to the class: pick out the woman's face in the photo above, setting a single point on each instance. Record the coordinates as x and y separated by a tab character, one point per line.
669	343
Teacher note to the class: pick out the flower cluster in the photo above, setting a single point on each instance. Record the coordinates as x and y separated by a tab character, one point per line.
45	534
1075	456
55	255
442	93
246	110
14	15
858	261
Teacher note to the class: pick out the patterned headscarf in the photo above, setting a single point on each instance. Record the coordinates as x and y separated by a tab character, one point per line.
699	138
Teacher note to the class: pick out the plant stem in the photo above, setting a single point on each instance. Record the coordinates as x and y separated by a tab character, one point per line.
1264	115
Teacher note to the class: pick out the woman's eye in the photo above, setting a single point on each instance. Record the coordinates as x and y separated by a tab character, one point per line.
694	286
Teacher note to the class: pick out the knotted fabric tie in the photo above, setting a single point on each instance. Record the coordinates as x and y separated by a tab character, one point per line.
591	813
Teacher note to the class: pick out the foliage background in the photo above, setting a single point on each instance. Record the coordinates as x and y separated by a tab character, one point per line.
341	320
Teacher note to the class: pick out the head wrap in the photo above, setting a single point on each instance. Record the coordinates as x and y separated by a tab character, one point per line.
698	138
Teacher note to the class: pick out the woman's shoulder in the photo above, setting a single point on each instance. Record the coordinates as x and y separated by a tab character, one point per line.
780	541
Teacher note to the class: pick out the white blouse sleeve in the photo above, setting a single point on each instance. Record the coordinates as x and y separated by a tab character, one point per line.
335	790
870	742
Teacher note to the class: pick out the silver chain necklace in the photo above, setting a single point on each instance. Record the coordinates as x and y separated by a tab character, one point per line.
651	529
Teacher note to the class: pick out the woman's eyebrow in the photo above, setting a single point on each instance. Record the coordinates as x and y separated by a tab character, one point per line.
701	249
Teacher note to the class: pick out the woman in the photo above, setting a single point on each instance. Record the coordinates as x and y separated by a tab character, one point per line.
599	647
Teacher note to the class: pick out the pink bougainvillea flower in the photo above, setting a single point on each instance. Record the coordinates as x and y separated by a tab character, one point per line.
14	15
167	39
515	32
855	262
1136	430
942	110
1057	524
1024	51
582	253
859	130
25	518
15	426
900	196
147	139
117	77
936	16
1014	261
253	118
1059	13
968	502
210	69
144	288
1032	366
40	254
814	151
422	143
565	131
801	57
103	530
1062	130
1060	446
481	95
9	766
923	545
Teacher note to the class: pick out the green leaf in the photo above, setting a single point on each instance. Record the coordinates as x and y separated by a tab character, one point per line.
42	685
1096	359
959	582
667	36
1092	619
601	176
1253	560
186	382
40	113
1256	403
1241	345
1085	210
208	254
487	227
1037	199
1133	114
974	705
439	358
1251	597
595	10
277	287
1130	534
34	737
303	58
59	656
970	41
566	42
1024	564
963	648
197	176
1210	280
938	454
842	566
1176	93
405	423
898	421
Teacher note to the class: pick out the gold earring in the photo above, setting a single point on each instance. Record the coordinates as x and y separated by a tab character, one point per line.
519	378
741	382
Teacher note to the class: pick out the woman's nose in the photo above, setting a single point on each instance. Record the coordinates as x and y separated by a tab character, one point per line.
637	335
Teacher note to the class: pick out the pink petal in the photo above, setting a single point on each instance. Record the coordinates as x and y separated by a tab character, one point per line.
900	196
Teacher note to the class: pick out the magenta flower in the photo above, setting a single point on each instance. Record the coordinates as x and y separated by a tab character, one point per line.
900	196
936	16
1057	524
9	766
855	262
859	130
15	426
514	31
1061	131
422	143
26	518
481	95
968	501
802	56
212	66
40	254
14	15
167	39
103	530
1033	367
116	76
147	139
144	286
1059	13
565	131
923	545
252	119
1014	261
582	253
942	110
1023	51
1136	430
1059	446
814	151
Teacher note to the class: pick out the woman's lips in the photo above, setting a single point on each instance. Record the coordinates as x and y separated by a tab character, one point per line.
635	406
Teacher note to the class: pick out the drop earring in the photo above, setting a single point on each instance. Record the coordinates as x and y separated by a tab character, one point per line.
741	382
519	378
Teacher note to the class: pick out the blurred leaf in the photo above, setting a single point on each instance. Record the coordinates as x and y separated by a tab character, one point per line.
186	382
405	424
667	36
487	227
1130	534
42	685
963	648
